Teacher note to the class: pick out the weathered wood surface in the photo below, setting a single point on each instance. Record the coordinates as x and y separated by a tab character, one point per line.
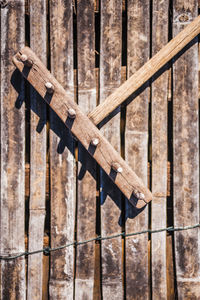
159	110
62	162
136	150
111	206
86	205
13	281
186	156
145	72
45	277
170	268
127	181
37	157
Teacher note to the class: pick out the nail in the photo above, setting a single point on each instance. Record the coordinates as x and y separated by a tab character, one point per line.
71	113
116	167
95	142
50	88
27	62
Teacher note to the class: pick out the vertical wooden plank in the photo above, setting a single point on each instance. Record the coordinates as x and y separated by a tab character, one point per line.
0	159
110	79
62	164
13	283
37	157
159	153
86	206
136	150
170	268
45	279
186	156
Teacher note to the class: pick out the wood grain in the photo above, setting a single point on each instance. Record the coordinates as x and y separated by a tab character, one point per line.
170	268
62	162
12	149
145	72
111	206
136	150
159	110
86	206
37	157
127	181
186	156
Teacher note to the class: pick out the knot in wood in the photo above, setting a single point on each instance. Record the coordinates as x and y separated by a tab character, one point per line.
183	18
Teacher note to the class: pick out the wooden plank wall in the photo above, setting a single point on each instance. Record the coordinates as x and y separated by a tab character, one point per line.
91	47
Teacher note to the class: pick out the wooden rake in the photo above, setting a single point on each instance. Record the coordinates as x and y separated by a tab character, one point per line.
83	127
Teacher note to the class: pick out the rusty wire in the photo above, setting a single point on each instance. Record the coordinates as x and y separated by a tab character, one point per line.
48	250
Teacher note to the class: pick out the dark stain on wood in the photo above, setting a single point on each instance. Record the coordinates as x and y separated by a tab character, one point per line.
184	247
11	281
138	282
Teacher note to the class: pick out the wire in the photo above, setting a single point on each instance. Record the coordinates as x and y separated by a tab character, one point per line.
48	250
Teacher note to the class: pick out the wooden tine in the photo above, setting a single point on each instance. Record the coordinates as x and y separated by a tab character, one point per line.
80	125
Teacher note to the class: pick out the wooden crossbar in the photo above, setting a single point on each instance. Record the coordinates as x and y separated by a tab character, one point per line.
82	127
145	72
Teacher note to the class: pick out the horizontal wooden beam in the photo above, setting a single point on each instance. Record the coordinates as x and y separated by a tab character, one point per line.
146	71
82	128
